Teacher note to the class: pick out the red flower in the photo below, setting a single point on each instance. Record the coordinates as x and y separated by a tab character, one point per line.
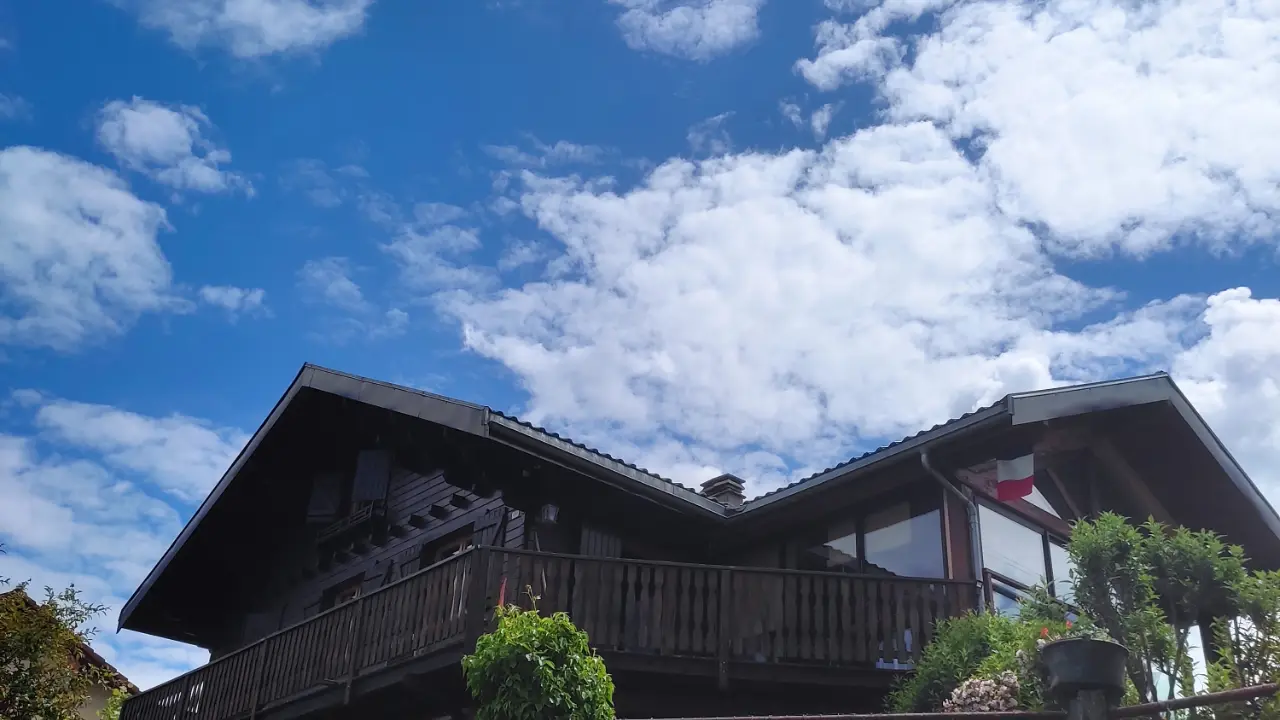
1044	632
1068	624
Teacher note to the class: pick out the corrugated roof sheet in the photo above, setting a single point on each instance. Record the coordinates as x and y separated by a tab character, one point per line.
581	446
876	451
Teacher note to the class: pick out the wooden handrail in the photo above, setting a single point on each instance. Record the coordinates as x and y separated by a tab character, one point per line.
738	568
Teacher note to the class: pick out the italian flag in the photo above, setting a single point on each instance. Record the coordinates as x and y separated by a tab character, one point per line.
1015	478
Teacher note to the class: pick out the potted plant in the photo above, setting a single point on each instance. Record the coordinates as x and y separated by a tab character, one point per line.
1083	659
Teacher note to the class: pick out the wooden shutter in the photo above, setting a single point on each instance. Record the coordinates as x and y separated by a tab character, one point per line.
326	498
373	471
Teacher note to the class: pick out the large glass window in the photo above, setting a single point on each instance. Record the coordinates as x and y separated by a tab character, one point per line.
905	541
839	553
1020	556
1011	548
903	538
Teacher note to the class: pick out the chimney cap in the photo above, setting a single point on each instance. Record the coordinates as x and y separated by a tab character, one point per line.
725	480
727	489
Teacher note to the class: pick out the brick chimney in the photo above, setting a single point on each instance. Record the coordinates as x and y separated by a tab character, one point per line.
728	490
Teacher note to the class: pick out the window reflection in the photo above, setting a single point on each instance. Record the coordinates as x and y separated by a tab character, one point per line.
903	543
1005	598
1061	566
1011	548
903	538
839	553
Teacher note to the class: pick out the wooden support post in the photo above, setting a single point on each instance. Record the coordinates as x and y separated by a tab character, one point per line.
477	597
723	632
1088	705
353	640
259	667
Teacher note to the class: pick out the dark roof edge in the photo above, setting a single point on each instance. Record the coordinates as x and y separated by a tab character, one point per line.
140	592
983	417
1049	404
648	484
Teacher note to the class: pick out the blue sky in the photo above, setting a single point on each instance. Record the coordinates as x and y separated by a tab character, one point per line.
706	235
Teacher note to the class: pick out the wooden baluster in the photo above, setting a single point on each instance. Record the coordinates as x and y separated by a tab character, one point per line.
698	611
819	618
657	623
482	560
684	642
871	627
562	588
806	617
790	623
725	627
644	602
833	618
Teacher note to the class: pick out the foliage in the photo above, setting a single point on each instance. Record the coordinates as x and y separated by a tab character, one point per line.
981	645
537	668
114	704
42	674
1148	585
1249	646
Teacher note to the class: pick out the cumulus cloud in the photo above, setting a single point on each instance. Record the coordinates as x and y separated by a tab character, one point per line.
93	496
820	120
79	259
167	143
253	29
235	300
689	29
1170	103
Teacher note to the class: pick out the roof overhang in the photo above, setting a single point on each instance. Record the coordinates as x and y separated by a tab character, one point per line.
475	420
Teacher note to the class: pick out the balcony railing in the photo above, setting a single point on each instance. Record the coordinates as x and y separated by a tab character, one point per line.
727	614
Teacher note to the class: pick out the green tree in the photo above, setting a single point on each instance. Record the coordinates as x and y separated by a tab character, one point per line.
114	704
42	673
537	668
1248	644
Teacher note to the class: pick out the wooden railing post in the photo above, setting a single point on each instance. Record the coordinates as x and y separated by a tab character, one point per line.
723	631
259	667
181	710
477	597
353	638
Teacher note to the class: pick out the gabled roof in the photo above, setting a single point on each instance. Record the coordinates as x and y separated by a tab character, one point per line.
1014	409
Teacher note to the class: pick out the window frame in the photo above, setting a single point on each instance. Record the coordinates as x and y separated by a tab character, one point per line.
921	493
1047	538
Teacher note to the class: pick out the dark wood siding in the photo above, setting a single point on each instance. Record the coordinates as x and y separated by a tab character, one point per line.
410	498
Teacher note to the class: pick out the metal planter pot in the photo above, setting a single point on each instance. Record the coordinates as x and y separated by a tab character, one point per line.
1079	664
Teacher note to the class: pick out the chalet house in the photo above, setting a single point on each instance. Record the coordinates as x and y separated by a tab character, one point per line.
355	549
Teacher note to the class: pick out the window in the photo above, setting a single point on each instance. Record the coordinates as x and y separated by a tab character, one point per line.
447	546
905	540
343	592
902	538
1021	556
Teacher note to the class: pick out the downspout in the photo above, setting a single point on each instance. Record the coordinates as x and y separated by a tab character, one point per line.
971	513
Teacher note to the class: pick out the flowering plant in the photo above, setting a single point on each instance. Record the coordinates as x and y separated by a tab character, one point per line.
984	694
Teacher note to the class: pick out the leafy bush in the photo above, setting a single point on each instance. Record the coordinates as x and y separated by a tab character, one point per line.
961	647
537	668
40	643
1249	647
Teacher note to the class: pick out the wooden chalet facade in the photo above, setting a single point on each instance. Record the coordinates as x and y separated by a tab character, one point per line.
356	548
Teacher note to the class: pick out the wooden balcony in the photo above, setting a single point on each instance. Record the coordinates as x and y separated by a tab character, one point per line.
679	615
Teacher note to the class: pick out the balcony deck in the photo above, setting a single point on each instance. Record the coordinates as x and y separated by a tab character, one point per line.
681	617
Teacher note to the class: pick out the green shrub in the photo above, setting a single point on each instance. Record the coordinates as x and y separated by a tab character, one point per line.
537	668
960	648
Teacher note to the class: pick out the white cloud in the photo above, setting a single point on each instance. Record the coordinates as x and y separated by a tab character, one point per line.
167	144
542	155
78	253
180	455
78	509
328	281
13	107
253	29
791	112
820	120
1171	103
690	29
235	300
709	136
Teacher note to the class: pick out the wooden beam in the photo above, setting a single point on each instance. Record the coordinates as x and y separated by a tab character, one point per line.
1120	469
